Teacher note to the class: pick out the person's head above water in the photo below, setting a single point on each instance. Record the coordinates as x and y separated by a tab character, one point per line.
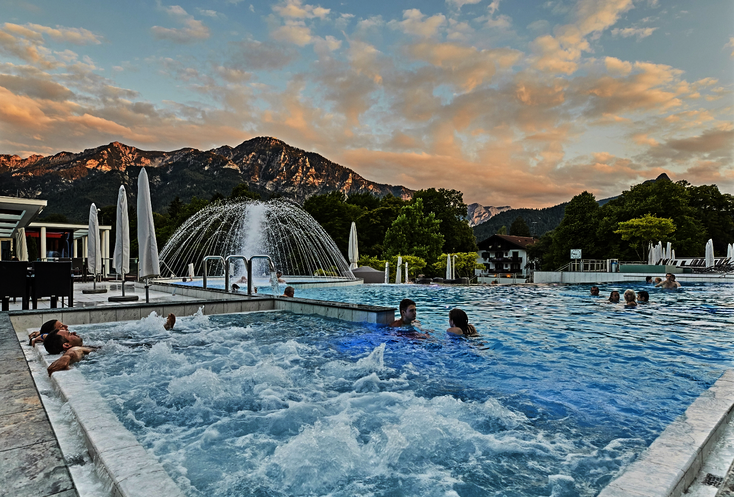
408	311
289	291
59	337
459	319
648	279
629	296
643	296
614	296
594	290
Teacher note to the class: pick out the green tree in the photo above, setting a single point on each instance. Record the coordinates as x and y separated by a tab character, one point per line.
450	210
715	213
465	264
242	191
576	231
643	230
364	200
372	261
414	233
502	230
373	224
519	227
333	213
56	218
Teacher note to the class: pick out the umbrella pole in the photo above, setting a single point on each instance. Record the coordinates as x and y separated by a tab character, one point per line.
147	291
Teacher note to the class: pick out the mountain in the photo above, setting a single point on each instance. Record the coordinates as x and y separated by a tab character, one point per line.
538	220
478	214
72	181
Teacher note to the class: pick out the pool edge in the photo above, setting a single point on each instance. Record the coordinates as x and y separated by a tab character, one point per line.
670	465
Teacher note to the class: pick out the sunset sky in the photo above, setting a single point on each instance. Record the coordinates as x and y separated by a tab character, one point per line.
521	103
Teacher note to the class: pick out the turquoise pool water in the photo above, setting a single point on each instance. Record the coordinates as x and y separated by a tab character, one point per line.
560	393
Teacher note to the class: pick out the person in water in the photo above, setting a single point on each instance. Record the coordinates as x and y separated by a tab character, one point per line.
59	340
669	282
648	280
289	291
614	297
459	324
594	291
643	297
630	299
408	312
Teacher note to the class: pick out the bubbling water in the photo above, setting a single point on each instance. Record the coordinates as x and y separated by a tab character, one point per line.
279	228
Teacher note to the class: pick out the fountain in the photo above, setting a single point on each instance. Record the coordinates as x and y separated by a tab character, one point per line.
238	230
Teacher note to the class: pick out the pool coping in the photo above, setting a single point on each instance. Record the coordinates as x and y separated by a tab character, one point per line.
672	462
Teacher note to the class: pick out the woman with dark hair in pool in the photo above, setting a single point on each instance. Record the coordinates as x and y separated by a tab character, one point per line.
459	322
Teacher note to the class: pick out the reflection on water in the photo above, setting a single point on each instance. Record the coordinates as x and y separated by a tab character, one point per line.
560	392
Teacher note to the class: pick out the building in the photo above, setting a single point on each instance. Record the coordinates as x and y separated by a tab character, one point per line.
45	241
505	254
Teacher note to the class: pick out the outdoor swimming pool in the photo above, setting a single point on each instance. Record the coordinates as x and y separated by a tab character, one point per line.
561	392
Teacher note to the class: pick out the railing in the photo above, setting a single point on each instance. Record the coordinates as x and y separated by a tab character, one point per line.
589	266
206	270
226	262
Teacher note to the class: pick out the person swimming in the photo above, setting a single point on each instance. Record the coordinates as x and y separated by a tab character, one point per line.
630	299
459	324
614	297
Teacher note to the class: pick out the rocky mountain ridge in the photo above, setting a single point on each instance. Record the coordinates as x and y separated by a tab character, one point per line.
477	213
71	181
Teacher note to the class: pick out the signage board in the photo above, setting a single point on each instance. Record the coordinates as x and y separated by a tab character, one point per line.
575	253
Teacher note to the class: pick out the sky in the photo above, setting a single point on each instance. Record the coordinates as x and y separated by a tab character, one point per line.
513	102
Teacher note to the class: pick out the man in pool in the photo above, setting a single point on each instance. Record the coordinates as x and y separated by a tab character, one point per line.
669	282
643	297
594	291
59	339
408	313
289	292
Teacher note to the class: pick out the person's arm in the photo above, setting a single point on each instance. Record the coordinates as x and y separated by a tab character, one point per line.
74	354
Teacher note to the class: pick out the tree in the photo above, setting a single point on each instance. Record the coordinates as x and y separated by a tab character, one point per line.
465	264
502	230
643	230
242	191
414	233
334	215
576	231
519	227
451	212
366	200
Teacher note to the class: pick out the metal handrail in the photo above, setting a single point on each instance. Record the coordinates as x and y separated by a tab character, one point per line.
210	258
249	270
227	261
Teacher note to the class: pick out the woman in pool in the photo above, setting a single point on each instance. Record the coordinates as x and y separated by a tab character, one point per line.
630	299
459	322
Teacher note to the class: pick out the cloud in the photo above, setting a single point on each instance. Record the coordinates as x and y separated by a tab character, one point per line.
295	32
253	55
416	23
77	36
297	10
459	3
730	45
640	33
192	31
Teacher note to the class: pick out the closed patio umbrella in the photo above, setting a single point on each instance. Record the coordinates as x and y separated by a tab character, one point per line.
353	247
668	249
94	254
710	253
448	267
387	272
650	254
121	256
148	265
398	269
21	245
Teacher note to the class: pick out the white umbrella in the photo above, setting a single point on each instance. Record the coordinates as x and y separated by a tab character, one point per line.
94	262
453	267
448	267
650	254
398	280
672	254
668	248
121	256
730	250
21	246
147	245
387	272
406	272
658	252
353	247
710	253
94	255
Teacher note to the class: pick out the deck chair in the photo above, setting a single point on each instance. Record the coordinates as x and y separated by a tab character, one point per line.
13	283
52	279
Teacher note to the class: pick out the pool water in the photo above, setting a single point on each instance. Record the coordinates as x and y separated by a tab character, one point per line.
560	393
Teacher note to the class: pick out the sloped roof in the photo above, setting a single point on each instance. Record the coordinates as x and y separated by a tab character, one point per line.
521	242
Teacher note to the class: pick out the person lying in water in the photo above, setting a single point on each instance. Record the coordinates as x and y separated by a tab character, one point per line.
60	340
459	324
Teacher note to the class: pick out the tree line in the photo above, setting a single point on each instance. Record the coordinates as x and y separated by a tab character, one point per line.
661	210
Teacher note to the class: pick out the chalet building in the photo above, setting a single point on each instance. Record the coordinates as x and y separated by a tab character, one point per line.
505	254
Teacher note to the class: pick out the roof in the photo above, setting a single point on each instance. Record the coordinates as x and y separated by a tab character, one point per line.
521	242
17	213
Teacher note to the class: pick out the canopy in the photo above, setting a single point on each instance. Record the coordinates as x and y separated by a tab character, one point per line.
710	253
147	245
94	257
21	246
353	247
121	257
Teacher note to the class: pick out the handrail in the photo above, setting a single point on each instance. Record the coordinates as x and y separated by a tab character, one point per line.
249	270
227	262
210	258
